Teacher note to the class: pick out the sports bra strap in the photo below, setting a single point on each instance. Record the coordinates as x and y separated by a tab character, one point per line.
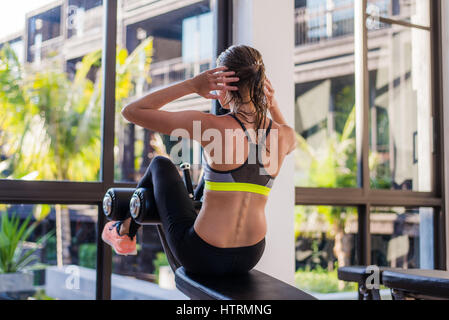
246	131
242	125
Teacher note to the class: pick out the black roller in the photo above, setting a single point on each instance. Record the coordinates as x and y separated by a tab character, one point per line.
143	208
116	203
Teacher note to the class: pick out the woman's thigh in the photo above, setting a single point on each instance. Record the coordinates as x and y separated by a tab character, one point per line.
173	204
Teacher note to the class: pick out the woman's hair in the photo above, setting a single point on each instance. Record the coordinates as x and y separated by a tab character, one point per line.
249	68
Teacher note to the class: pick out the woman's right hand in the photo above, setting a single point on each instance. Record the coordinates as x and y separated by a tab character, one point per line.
211	80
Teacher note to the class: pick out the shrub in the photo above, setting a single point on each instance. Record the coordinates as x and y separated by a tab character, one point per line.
87	255
321	280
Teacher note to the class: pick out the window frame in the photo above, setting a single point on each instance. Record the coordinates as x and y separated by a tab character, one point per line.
363	196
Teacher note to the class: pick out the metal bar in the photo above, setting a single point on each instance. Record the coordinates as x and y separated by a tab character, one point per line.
223	20
364	235
399	22
444	121
104	261
104	255
345	197
108	94
222	25
362	127
438	134
361	93
54	192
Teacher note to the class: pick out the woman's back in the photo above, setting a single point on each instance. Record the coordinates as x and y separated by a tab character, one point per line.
237	218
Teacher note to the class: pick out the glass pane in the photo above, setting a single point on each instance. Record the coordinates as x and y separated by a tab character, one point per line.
146	276
400	109
50	98
326	238
325	97
61	241
402	237
413	11
320	20
159	50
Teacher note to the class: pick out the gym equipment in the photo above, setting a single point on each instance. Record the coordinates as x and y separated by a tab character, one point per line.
254	285
143	208
404	284
198	193
185	167
116	203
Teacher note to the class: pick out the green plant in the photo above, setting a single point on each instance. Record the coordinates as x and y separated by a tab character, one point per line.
41	295
13	258
50	125
87	255
321	280
161	260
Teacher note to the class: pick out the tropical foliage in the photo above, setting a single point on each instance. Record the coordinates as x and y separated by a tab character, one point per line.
50	124
13	234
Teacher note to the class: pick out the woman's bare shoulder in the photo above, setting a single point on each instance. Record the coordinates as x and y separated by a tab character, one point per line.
286	136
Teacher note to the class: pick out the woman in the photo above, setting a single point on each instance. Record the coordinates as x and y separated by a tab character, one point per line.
228	235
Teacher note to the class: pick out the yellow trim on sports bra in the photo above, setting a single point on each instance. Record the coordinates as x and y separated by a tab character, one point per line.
237	186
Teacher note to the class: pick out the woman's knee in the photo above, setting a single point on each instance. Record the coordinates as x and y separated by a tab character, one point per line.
161	163
163	167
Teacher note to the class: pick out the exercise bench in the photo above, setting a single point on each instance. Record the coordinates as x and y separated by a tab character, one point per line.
404	284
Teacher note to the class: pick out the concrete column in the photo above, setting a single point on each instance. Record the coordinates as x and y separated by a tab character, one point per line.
268	26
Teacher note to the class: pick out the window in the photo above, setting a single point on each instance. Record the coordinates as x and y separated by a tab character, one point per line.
157	51
51	112
371	148
163	49
324	95
401	145
325	239
402	237
61	241
82	17
43	27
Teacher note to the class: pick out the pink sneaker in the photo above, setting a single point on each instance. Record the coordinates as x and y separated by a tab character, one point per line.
122	245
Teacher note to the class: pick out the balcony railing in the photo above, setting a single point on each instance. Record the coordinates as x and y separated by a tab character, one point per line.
325	22
322	23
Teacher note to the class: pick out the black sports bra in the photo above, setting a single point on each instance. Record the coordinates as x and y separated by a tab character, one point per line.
249	177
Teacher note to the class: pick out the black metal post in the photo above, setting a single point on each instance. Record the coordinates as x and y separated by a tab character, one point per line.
108	94
438	135
104	261
104	253
223	20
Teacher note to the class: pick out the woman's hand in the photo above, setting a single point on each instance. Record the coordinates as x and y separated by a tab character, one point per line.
269	93
211	80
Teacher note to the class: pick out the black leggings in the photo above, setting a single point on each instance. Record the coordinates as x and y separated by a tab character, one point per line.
178	215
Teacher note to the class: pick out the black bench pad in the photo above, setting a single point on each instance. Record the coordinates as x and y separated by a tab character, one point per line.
255	285
359	273
426	282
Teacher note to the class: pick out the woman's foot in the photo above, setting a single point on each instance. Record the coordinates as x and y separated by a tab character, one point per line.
122	244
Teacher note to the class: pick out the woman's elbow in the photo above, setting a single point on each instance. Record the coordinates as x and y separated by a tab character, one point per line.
126	112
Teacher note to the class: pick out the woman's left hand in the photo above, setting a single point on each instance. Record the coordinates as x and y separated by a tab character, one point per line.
211	80
269	93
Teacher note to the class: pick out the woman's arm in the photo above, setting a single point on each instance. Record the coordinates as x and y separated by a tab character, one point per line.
278	117
145	111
